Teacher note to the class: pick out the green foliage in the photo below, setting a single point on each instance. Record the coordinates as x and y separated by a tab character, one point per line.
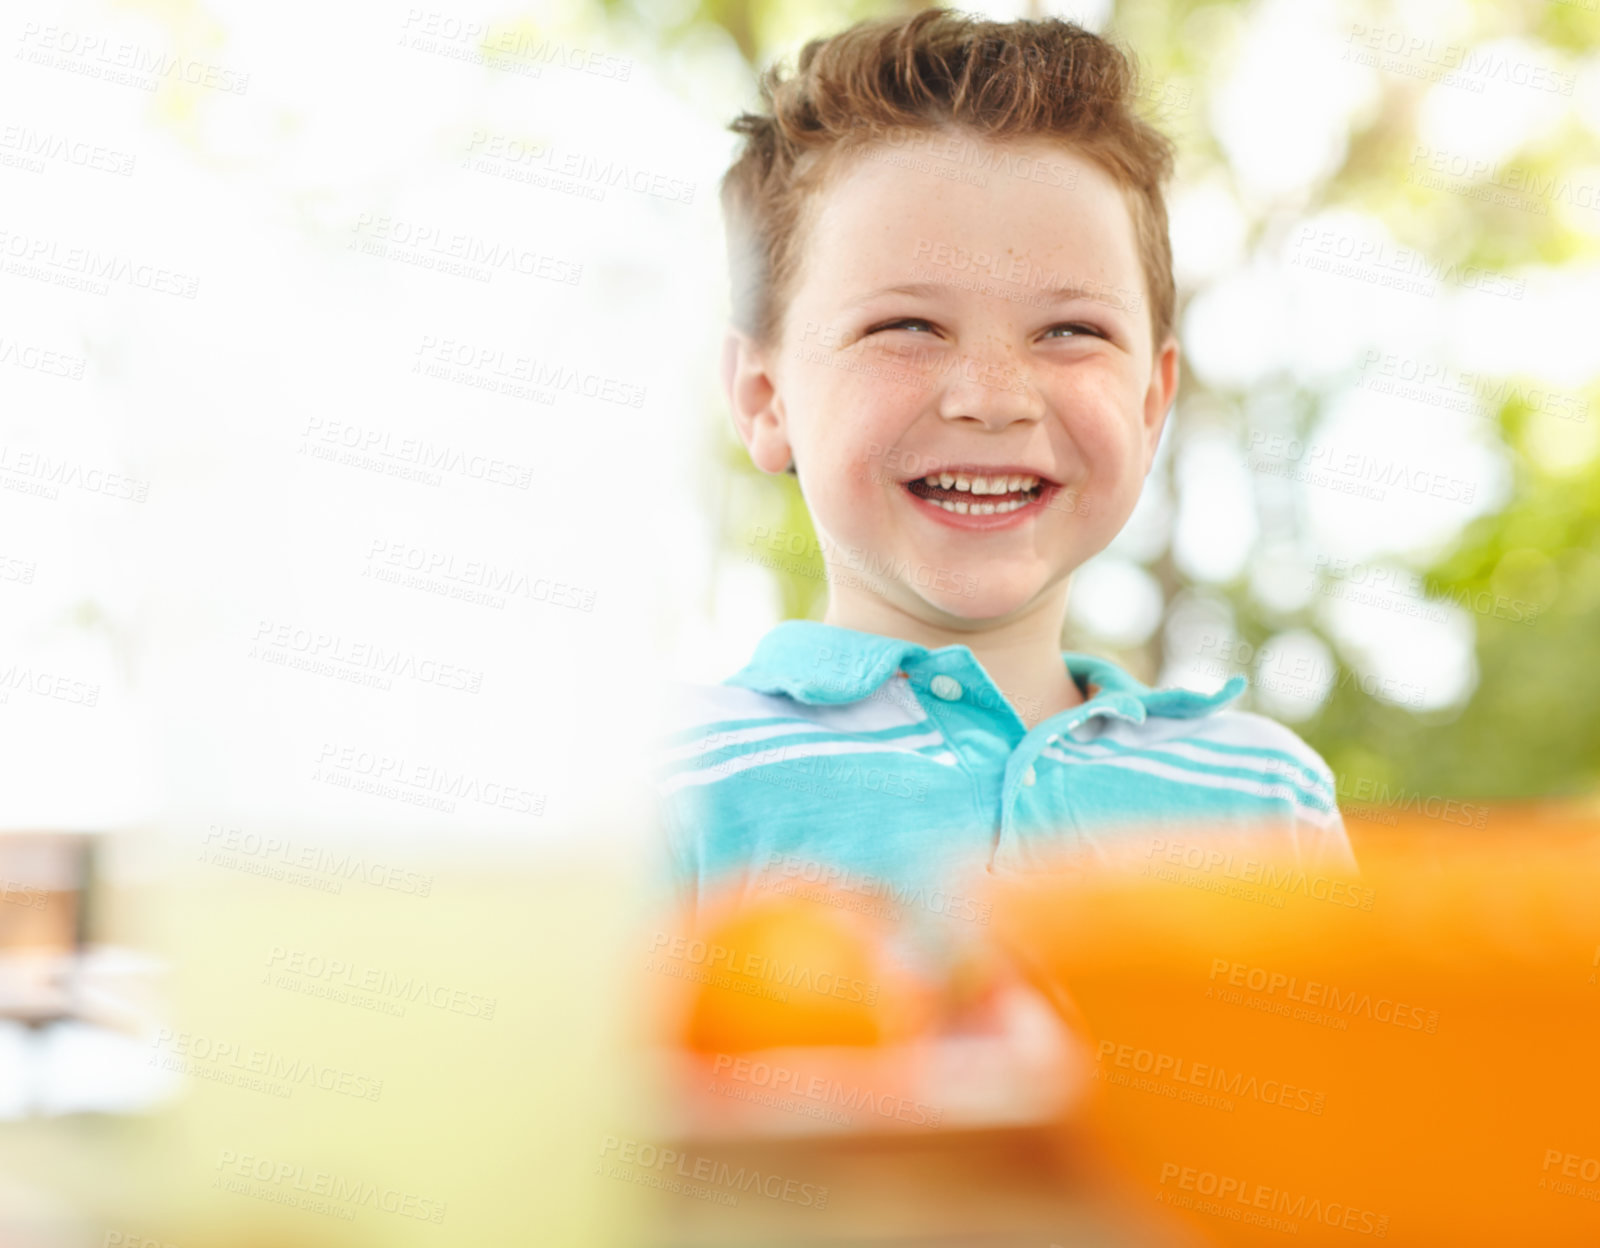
1532	725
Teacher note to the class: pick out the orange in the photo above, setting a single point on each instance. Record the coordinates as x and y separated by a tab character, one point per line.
788	971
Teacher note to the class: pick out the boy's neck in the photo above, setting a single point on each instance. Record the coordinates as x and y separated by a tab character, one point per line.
1021	656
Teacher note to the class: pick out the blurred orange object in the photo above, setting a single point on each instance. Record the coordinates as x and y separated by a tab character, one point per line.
1412	1056
784	972
802	1016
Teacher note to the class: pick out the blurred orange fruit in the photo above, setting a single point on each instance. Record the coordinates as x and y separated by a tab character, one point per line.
788	971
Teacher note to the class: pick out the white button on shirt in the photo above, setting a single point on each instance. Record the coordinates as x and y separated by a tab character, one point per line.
946	687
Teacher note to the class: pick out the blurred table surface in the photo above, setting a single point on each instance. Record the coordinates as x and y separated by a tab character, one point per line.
1034	1187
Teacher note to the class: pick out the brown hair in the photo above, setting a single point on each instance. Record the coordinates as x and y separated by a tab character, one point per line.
922	73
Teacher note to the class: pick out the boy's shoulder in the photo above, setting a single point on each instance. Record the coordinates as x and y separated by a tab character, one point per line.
692	710
690	704
1262	759
1250	733
1242	750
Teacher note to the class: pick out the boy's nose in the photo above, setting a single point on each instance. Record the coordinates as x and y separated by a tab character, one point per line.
991	389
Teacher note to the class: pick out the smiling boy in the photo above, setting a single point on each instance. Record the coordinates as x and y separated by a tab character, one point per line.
953	322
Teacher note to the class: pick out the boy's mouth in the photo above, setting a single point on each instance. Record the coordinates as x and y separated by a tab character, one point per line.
991	493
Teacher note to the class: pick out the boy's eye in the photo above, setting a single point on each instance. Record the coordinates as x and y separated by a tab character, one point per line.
906	322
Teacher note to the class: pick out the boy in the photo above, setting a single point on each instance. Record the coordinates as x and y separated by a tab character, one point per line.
952	321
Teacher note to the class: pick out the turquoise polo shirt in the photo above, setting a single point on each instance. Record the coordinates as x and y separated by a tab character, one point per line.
839	756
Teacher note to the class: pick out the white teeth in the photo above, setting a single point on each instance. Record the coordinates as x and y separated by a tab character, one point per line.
982	509
1013	484
985	485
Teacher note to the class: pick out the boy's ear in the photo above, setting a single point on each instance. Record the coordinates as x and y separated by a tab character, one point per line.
1158	398
753	400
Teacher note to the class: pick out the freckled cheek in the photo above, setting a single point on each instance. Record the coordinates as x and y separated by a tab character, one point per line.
881	400
1122	447
1099	417
841	405
858	429
1102	445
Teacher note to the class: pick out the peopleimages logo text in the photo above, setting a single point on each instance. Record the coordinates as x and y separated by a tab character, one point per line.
1267	874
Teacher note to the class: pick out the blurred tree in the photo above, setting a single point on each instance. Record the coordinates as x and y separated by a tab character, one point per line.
1532	723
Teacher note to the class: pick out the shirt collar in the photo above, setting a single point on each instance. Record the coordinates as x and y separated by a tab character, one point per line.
823	664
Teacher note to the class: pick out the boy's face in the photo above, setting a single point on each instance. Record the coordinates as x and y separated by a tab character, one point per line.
871	391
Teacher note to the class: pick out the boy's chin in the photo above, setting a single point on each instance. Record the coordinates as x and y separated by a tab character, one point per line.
983	603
